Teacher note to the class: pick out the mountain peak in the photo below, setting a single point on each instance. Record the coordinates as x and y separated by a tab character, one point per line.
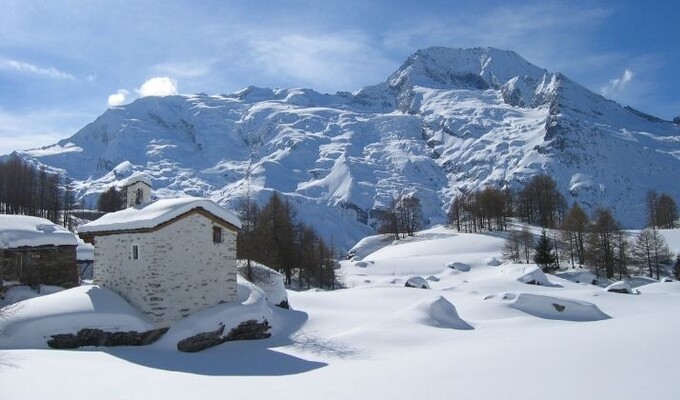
480	68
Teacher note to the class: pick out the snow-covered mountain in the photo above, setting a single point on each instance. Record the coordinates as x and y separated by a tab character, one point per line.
447	120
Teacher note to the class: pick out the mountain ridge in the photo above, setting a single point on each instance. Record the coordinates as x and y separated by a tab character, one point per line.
447	121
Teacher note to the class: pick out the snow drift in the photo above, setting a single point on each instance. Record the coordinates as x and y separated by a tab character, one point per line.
435	311
550	307
30	323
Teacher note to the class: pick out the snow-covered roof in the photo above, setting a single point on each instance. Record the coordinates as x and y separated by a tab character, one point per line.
25	231
150	215
137	178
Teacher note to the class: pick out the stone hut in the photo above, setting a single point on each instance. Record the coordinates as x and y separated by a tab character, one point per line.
137	190
35	251
169	258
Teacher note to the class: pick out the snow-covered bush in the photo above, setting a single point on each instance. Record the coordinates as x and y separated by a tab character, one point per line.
270	281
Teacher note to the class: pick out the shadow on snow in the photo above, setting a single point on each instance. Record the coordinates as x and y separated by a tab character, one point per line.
239	358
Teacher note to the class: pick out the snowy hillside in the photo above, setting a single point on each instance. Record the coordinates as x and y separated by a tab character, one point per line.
482	331
447	120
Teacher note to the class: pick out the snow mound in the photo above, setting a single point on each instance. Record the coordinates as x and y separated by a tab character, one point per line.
493	262
436	312
501	296
458	266
16	294
369	245
621	287
666	279
30	323
578	276
251	304
361	264
417	282
270	281
550	307
661	288
533	275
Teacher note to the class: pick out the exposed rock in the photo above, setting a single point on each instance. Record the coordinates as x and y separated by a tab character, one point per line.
620	287
417	282
462	267
201	341
248	330
283	304
100	338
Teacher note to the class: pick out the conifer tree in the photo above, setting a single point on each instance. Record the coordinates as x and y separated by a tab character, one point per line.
543	253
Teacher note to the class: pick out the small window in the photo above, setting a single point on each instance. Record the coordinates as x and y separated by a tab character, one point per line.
139	196
217	234
135	252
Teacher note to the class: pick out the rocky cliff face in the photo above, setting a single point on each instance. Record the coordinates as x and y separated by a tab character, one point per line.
448	120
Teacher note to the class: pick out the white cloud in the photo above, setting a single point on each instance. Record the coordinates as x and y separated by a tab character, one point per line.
189	69
43	127
617	85
158	86
339	61
27	68
118	98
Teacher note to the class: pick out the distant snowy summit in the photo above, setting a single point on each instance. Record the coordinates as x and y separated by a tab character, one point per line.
478	68
447	121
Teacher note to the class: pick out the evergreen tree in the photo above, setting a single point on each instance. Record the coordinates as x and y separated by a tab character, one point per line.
676	267
543	253
111	200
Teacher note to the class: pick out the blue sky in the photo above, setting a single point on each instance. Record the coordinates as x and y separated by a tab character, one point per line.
62	63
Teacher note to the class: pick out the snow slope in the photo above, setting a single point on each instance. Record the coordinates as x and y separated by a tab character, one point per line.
381	340
447	121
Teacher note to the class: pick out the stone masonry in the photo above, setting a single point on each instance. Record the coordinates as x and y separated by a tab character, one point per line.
179	270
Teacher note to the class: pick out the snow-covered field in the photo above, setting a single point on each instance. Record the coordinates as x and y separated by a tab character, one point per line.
479	332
